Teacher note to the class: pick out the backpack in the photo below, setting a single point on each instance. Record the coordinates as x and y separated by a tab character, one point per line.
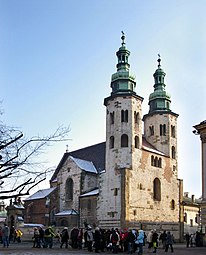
114	237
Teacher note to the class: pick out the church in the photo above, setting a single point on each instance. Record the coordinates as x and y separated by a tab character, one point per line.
131	179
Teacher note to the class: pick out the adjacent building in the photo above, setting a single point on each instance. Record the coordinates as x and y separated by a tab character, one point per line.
200	129
41	206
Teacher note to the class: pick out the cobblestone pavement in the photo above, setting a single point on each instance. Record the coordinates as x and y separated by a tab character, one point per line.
26	249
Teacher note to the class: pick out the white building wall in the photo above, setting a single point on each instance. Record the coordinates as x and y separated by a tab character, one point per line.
69	170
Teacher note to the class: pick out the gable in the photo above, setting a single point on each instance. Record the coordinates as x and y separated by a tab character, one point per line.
94	154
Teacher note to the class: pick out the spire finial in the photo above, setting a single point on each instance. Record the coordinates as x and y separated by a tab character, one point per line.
123	38
159	60
67	148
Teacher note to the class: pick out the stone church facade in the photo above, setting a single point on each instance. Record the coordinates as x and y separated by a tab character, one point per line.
131	180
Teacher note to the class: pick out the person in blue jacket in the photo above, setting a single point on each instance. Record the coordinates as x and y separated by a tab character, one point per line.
140	241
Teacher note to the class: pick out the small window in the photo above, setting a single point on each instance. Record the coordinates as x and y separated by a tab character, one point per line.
162	130
115	191
124	116
160	162
173	131
135	212
136	141
136	117
152	160
69	189
111	142
191	222
151	130
156	162
173	204
173	152
111	117
157	189
124	141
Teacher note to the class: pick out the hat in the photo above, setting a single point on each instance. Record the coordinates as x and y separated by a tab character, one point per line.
65	227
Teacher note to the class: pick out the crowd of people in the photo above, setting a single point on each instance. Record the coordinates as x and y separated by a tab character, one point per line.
193	239
99	240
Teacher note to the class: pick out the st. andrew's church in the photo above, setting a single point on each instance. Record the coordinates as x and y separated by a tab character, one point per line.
131	180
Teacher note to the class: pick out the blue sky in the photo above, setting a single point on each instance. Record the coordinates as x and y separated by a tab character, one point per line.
57	58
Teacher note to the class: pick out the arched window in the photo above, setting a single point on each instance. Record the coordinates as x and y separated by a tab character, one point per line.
173	131
111	142
156	162
157	189
136	117
69	189
160	162
162	130
124	116
152	160
173	152
151	130
124	141
136	141
111	117
173	204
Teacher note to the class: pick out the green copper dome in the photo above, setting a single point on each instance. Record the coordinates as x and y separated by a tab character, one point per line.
159	100
123	81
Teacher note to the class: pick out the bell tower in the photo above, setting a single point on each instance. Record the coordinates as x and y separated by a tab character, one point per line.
160	124
124	115
123	137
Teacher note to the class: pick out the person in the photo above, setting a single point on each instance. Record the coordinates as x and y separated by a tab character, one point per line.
149	240
97	239
18	235
169	242
139	241
130	241
90	238
64	237
48	237
115	240
197	239
36	240
155	241
41	237
163	238
58	237
192	240
80	238
74	237
5	235
187	238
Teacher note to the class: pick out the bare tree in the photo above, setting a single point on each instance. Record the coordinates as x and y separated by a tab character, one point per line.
20	169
